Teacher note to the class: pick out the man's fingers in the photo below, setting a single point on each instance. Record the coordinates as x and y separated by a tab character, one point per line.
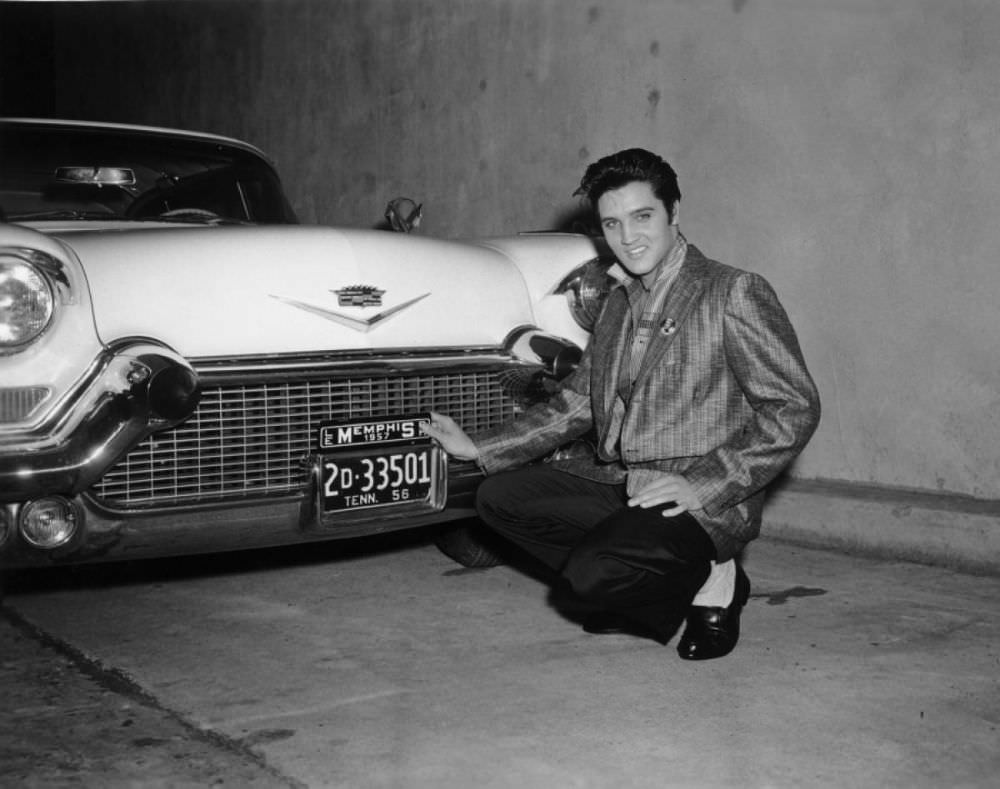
645	502
654	496
438	421
672	505
434	432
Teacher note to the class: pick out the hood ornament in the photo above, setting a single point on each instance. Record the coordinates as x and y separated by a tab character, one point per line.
359	296
354	296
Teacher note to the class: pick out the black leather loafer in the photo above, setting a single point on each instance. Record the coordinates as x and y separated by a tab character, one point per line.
713	632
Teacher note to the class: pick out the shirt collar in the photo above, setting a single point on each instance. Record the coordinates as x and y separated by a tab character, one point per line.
669	269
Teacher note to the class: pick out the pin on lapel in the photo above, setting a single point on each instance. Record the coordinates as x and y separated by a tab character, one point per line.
668	327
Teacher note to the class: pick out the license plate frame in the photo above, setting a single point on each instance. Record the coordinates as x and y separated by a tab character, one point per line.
367	465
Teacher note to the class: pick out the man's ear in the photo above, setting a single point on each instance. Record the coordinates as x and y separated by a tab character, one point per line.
674	211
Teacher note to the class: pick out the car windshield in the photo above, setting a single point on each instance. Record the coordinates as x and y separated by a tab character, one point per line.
67	172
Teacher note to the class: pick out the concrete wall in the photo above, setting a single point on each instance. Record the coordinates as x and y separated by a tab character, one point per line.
847	149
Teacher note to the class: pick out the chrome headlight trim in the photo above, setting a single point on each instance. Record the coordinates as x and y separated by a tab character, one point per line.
586	288
32	285
49	522
27	303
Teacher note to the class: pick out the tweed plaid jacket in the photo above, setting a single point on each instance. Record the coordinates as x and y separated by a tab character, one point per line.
722	397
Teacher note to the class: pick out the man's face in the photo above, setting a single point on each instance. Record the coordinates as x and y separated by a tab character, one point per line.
636	225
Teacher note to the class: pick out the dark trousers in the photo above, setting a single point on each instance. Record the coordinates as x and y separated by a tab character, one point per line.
628	560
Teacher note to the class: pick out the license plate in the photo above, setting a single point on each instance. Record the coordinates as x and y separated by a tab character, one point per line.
366	464
381	478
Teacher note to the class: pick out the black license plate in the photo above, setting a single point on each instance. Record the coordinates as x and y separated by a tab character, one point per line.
380	463
382	477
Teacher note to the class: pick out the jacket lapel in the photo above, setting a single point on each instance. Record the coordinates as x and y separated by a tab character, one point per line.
609	351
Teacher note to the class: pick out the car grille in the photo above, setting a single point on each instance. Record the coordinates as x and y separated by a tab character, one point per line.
248	440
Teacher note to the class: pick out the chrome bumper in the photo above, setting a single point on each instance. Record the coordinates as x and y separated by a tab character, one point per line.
291	520
132	390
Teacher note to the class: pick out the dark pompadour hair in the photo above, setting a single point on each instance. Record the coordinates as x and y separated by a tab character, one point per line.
628	166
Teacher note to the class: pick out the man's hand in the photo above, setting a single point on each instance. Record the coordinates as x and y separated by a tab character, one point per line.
672	488
450	436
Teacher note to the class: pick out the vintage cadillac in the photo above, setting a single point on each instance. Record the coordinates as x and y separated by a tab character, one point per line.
184	368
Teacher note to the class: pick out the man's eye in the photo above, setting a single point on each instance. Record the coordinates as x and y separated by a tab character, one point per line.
643	217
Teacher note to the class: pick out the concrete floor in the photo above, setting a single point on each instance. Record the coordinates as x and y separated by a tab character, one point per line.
389	666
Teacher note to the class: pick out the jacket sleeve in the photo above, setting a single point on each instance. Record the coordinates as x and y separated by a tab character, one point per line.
541	428
762	352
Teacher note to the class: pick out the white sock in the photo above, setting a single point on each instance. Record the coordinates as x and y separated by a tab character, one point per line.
718	590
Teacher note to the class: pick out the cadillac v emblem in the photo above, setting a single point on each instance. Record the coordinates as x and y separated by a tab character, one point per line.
359	296
362	296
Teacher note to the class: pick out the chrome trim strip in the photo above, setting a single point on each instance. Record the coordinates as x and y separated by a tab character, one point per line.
391	359
363	325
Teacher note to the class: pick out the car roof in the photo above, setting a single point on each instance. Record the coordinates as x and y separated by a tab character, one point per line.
161	131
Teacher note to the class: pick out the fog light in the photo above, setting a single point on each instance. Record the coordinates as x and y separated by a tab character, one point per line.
49	522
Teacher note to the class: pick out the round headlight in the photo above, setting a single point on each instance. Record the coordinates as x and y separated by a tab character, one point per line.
26	302
586	287
48	522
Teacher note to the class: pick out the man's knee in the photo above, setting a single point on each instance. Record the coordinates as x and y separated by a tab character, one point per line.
488	493
497	498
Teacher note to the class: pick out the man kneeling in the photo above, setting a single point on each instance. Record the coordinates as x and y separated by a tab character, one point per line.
699	396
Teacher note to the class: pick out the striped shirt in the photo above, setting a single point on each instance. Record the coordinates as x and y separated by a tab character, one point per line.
645	307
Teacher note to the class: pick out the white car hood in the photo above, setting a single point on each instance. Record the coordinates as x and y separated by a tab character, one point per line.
236	291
